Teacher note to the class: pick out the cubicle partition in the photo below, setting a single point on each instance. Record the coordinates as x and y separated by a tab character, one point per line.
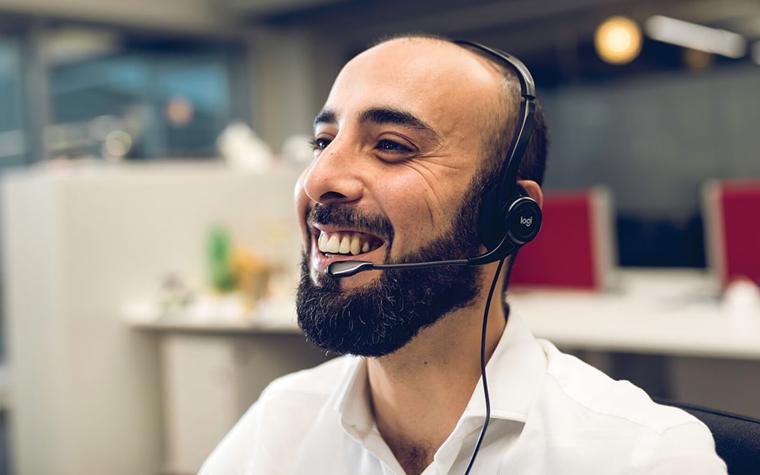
81	245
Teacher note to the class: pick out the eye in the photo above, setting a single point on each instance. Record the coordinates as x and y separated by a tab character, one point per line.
320	143
386	145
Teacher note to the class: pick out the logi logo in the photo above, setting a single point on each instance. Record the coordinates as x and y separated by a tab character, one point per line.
527	222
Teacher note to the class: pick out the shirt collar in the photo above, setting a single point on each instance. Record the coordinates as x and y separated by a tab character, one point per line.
352	400
515	373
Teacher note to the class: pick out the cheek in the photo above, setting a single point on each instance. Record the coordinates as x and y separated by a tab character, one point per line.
420	205
302	204
411	206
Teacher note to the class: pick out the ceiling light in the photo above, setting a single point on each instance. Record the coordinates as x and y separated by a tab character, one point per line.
618	40
68	45
694	36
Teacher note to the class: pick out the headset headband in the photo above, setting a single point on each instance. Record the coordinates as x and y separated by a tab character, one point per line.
513	158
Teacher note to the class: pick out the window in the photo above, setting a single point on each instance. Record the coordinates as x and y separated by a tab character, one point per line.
114	96
12	133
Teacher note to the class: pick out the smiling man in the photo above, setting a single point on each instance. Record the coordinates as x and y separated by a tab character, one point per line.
413	132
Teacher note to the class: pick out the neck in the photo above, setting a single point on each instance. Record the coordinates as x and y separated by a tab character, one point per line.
419	392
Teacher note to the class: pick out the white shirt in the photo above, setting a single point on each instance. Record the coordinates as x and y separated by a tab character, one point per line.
550	414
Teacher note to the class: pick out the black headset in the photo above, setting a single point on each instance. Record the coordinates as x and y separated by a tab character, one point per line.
508	218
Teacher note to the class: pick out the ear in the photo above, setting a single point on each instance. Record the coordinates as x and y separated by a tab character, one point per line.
534	191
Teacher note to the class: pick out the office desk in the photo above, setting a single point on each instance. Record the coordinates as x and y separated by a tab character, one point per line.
650	311
667	312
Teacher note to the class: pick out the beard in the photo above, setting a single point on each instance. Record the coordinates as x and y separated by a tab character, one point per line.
379	318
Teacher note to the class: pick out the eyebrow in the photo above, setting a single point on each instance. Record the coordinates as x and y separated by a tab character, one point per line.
325	117
382	115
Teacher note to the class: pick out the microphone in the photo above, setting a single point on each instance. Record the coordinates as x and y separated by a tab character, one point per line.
349	268
342	269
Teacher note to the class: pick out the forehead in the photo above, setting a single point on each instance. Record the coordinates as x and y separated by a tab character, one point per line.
442	83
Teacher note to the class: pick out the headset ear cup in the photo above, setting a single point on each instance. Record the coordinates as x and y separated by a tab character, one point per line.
523	220
498	218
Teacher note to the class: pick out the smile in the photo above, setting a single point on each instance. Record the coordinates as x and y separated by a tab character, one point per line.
346	243
332	243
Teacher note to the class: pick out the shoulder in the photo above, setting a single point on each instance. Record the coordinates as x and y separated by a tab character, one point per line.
575	382
317	383
648	435
300	394
286	409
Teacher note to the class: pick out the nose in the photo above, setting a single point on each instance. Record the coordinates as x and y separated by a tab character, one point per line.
333	176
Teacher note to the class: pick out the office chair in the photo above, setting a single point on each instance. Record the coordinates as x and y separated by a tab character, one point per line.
737	438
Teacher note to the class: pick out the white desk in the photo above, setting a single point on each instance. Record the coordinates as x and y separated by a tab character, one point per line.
669	312
653	311
210	326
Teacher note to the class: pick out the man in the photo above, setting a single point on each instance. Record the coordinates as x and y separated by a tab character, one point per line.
412	133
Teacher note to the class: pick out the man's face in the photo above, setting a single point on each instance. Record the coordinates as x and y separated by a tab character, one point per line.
398	145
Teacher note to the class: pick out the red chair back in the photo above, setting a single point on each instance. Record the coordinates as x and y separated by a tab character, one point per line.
574	249
732	219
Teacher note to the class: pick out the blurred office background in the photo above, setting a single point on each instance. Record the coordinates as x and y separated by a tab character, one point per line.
127	131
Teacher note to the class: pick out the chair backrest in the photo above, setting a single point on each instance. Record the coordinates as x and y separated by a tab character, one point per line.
732	229
737	438
576	246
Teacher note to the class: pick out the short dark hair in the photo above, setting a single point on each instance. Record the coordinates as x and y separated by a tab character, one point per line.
498	139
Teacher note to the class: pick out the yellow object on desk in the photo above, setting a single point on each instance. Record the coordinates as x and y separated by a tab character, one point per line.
251	276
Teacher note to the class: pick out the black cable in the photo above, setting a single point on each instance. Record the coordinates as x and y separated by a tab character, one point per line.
483	362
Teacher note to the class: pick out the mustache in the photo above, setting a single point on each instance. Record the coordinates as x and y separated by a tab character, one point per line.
350	217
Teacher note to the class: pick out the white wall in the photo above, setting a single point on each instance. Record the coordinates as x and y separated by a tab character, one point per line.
291	74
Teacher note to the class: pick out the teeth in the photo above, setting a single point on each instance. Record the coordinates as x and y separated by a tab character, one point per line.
356	245
342	243
333	244
345	244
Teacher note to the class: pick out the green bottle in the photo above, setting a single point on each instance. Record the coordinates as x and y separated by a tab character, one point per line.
220	260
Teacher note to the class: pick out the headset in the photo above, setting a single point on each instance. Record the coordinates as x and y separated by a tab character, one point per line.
508	218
